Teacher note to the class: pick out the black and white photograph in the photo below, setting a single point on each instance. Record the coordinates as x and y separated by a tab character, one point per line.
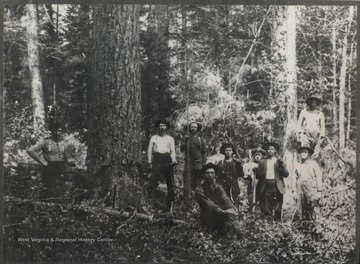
173	133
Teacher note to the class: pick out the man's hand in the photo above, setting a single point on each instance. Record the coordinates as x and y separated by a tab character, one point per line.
231	211
44	163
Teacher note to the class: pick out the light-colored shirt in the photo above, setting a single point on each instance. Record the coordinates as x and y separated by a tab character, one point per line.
309	170
312	122
162	144
51	150
270	168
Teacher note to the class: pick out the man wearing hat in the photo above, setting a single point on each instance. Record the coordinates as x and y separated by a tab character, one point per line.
250	176
161	159
194	148
230	172
309	183
311	125
271	173
217	212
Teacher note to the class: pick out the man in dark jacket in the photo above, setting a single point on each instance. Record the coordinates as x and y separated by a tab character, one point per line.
218	213
194	147
271	173
230	172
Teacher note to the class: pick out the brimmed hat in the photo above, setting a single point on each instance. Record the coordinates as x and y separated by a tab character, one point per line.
268	144
162	121
195	122
311	151
225	146
208	166
314	97
258	150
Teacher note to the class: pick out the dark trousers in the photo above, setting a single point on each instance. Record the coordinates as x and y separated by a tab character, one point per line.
53	179
162	168
272	200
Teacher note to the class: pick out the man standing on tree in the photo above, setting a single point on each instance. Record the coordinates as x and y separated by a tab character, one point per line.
217	212
311	125
250	176
161	159
230	173
194	148
309	183
271	173
54	157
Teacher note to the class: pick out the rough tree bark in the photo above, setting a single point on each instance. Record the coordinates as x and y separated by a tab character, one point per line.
37	93
342	82
284	51
348	129
334	110
114	134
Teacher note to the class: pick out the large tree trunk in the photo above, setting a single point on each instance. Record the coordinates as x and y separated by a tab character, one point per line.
114	133
334	110
37	93
285	53
342	82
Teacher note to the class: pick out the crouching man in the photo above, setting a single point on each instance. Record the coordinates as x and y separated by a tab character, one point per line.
217	212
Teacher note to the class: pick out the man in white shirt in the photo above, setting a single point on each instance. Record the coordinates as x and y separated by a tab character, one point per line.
309	183
271	173
161	159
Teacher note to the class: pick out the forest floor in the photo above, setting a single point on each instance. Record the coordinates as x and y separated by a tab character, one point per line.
79	232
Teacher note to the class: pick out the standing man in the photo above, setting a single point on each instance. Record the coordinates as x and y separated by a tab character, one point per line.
161	159
271	173
217	212
250	176
309	183
230	172
53	160
194	148
311	125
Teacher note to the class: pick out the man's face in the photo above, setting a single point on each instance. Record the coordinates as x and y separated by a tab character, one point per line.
312	103
162	127
209	175
271	151
258	157
304	154
57	133
193	128
228	152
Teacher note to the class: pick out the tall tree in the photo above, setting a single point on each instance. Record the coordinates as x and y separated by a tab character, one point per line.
343	81
334	103
37	94
114	142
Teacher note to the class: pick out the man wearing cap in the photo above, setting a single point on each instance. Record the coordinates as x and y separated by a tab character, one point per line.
311	125
161	158
217	212
250	176
271	173
194	148
55	156
309	183
230	172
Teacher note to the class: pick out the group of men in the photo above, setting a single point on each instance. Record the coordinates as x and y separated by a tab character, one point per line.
218	186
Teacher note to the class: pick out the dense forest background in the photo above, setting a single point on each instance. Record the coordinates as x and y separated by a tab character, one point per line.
243	71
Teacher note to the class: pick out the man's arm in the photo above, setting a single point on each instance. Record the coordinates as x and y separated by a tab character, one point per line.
67	159
318	175
150	149
206	202
172	150
283	169
322	125
32	151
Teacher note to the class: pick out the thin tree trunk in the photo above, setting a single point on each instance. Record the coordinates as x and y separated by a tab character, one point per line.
37	93
114	151
347	140
334	109
342	83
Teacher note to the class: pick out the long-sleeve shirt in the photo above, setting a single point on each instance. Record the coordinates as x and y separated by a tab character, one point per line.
309	170
197	150
162	145
312	122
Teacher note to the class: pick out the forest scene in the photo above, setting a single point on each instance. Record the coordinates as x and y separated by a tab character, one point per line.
90	91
